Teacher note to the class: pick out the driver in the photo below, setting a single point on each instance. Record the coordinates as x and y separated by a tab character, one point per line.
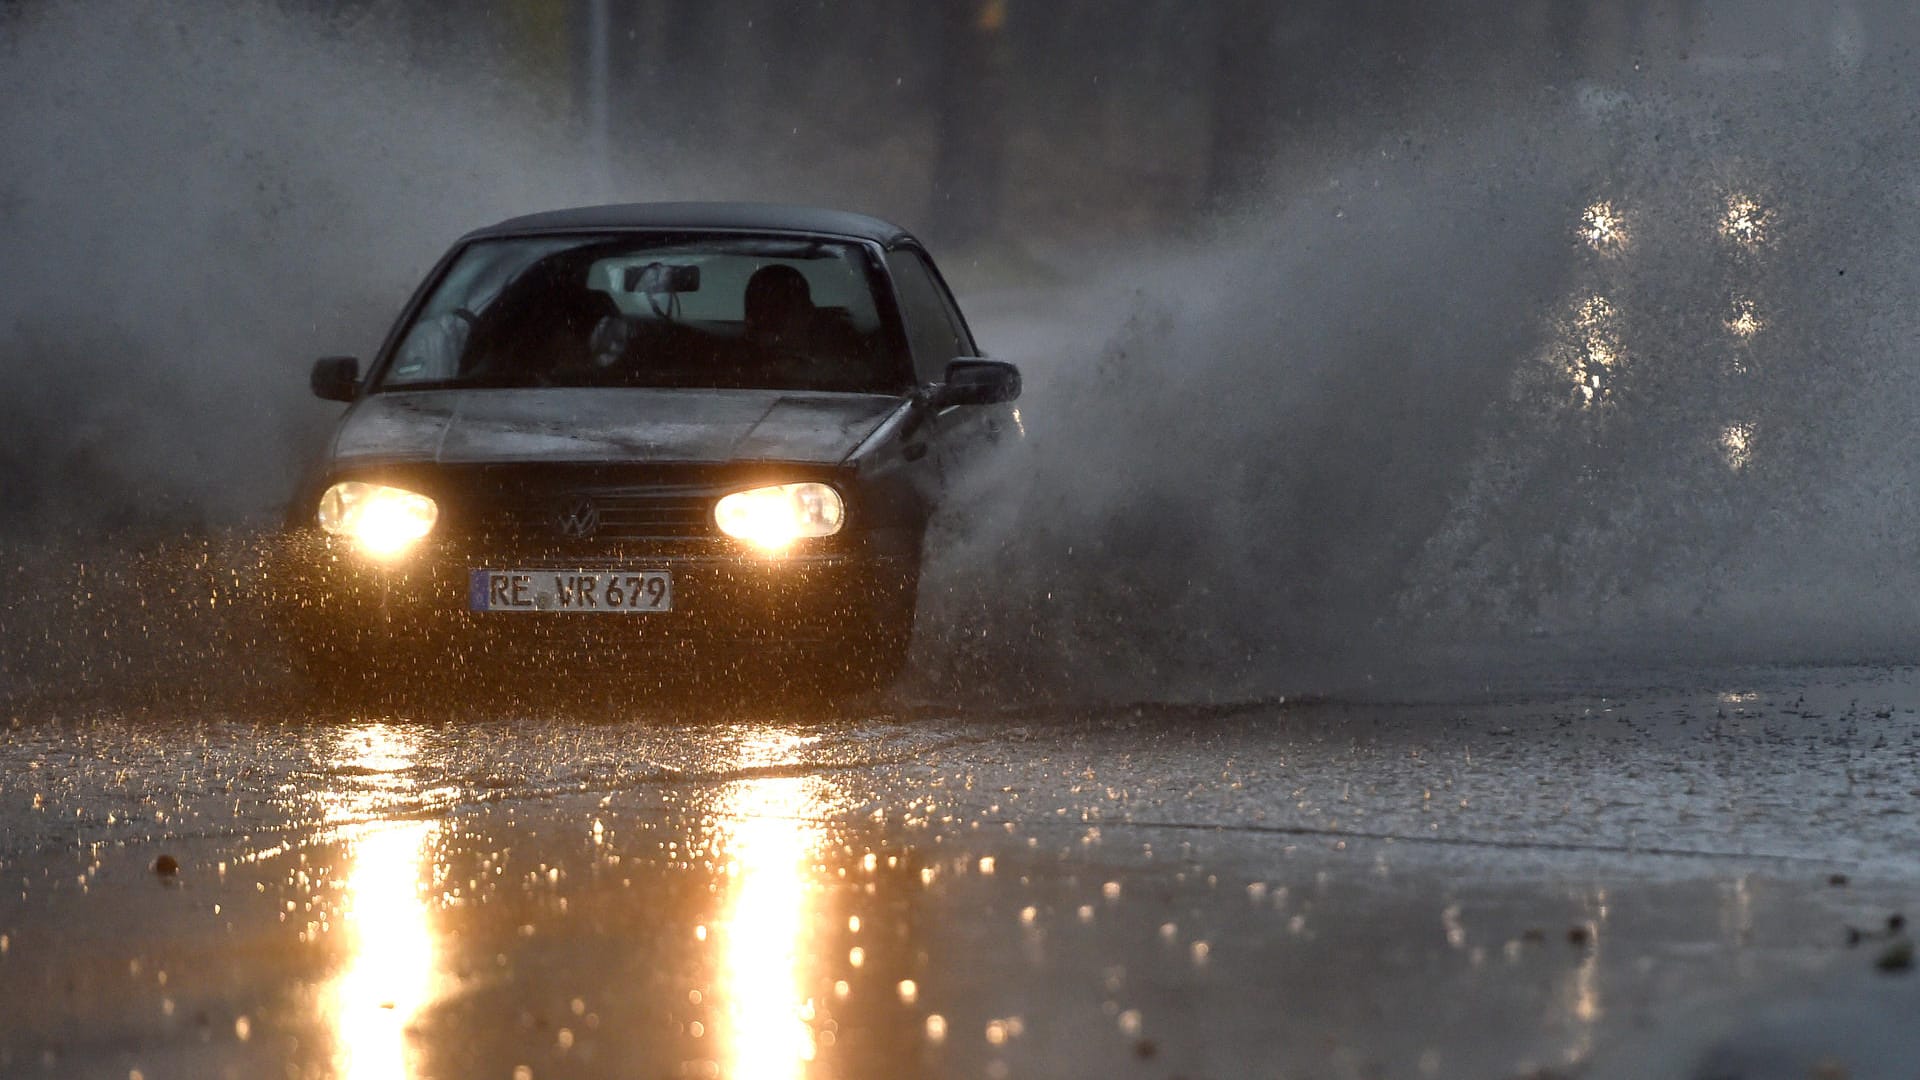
779	309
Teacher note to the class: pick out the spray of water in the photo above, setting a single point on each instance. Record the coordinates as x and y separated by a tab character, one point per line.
1632	386
194	203
1239	446
1713	454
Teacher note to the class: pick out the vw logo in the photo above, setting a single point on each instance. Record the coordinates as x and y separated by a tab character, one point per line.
580	520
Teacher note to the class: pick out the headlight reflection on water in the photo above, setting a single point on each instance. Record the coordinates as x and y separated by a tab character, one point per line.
771	844
390	971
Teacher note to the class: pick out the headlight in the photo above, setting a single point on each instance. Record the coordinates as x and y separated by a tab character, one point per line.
770	518
383	521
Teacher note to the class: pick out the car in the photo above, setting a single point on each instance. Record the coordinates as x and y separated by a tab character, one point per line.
704	432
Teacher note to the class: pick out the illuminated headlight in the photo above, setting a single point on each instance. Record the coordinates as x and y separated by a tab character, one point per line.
382	521
770	518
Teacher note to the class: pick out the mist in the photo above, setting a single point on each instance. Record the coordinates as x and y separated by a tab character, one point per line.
197	203
1227	479
1346	411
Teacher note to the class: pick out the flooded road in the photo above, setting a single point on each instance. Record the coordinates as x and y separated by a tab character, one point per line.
1506	883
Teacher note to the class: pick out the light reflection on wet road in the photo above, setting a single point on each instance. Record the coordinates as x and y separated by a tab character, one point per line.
1501	886
772	835
390	971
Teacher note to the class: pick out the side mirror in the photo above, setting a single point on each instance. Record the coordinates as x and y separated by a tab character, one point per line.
336	378
974	381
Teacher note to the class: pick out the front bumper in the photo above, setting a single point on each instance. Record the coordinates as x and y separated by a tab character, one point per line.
723	595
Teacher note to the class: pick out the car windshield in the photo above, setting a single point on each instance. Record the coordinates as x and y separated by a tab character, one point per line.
643	310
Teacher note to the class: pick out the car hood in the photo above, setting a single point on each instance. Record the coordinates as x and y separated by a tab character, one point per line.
609	425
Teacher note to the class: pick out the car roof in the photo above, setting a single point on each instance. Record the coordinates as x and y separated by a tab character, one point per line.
753	217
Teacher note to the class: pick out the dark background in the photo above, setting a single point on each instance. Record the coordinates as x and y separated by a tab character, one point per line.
975	119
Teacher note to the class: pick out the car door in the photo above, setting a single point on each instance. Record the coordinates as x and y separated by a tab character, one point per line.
936	335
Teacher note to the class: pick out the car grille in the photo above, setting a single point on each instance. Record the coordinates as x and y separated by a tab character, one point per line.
613	516
581	508
631	516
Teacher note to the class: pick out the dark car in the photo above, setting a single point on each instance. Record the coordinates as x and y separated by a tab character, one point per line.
707	430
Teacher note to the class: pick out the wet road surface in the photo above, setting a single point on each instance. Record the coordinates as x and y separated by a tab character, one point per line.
1691	881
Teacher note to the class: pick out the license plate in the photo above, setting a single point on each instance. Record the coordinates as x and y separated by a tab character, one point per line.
606	592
